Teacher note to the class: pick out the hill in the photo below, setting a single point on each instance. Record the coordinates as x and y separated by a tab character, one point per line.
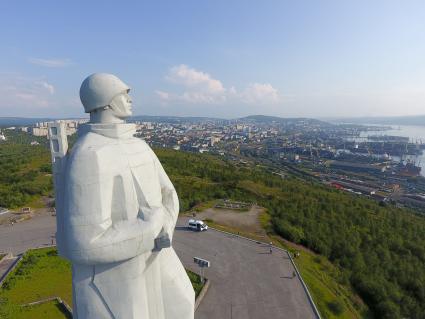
263	119
376	249
173	119
418	120
25	170
282	120
379	249
20	121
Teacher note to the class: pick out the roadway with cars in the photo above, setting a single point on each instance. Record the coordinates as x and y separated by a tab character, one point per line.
246	280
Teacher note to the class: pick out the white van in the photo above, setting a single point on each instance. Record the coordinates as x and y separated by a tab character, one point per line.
197	225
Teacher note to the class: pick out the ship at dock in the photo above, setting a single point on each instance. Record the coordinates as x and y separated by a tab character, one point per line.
408	169
388	138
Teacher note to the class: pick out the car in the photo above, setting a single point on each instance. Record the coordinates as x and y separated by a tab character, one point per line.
197	225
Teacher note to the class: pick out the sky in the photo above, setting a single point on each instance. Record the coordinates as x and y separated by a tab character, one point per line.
217	58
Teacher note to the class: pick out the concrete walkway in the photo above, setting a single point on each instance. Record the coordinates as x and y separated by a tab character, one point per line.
35	232
5	265
246	280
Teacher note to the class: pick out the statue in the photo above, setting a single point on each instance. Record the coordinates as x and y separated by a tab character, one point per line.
116	213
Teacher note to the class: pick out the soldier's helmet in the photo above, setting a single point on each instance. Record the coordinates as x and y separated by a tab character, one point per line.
98	90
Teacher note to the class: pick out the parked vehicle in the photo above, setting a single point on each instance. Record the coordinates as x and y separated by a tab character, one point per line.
197	225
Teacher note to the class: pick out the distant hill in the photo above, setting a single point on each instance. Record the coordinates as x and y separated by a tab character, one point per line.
173	119
251	118
418	120
21	121
283	120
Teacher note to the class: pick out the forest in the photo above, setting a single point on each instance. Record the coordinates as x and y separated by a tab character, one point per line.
379	248
25	170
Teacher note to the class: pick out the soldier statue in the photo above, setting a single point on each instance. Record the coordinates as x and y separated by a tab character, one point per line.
116	213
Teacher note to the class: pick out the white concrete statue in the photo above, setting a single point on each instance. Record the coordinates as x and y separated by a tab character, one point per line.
116	213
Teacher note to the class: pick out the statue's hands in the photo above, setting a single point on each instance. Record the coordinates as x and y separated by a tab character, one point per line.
155	218
167	199
167	228
162	241
153	224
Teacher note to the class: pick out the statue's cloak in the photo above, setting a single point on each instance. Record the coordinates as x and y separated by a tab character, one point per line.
113	184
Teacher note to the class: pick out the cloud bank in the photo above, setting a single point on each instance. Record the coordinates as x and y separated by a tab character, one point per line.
50	63
198	87
18	91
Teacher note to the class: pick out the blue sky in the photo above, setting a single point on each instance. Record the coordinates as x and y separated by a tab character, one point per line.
217	58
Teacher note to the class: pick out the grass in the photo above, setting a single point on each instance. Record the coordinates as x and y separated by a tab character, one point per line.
47	310
257	188
333	297
205	205
42	274
196	282
34	202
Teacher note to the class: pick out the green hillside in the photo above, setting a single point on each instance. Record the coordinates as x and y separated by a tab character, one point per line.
377	250
380	250
25	170
42	275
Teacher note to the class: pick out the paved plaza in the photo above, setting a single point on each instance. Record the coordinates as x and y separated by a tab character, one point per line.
36	232
246	280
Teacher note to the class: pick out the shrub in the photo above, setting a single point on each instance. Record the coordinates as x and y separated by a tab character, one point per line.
335	307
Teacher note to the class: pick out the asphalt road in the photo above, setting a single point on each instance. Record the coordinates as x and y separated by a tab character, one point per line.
246	280
36	232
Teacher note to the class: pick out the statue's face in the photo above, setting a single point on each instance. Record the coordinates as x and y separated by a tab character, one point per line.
121	106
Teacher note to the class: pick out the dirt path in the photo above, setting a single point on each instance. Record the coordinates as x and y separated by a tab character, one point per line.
246	220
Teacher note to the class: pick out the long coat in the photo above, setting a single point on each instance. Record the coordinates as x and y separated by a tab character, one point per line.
117	199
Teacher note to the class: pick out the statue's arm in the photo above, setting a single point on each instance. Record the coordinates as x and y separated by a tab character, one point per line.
170	200
92	235
118	242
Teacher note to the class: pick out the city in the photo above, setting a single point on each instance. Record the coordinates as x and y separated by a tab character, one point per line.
343	156
212	159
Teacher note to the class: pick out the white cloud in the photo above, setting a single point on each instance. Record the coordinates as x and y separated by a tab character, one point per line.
17	91
49	87
164	96
51	63
260	93
198	86
202	97
201	88
30	99
191	78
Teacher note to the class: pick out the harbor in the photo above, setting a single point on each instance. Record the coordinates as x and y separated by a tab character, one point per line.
403	145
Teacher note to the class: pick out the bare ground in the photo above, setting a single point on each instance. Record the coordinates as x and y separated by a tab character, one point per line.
246	220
